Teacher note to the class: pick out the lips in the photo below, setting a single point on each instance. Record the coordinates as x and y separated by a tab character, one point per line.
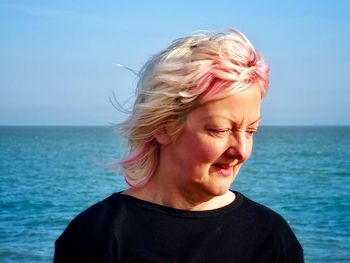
224	169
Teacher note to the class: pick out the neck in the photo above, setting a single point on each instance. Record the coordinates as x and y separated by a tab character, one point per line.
160	192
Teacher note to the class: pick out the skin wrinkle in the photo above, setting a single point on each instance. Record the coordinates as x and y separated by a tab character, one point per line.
241	124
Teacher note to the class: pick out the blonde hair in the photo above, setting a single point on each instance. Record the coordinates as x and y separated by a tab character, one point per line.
190	72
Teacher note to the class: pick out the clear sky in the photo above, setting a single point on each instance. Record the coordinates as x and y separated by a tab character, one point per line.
57	57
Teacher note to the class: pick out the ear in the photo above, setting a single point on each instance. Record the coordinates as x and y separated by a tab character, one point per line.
163	137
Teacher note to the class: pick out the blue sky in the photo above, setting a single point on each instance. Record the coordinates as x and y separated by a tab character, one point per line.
57	57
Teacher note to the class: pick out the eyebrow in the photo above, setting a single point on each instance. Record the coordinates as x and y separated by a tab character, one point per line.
223	117
252	123
257	120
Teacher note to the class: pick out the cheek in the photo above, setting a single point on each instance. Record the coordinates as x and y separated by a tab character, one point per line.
208	151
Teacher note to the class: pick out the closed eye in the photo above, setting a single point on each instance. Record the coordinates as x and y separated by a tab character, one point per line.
219	132
250	133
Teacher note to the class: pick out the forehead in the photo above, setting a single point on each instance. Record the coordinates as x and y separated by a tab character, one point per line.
242	107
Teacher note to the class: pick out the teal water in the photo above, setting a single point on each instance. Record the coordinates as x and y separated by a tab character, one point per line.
49	174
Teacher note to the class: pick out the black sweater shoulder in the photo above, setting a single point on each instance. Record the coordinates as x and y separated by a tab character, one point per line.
90	233
279	240
122	227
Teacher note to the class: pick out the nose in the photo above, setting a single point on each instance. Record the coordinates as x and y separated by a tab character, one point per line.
238	147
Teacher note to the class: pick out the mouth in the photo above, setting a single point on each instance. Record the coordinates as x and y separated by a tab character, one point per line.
223	169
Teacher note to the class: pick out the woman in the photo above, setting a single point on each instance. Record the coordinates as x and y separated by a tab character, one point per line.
191	129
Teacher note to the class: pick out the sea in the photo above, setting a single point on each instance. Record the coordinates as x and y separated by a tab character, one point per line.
50	174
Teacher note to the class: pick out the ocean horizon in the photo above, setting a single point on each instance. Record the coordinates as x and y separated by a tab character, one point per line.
50	173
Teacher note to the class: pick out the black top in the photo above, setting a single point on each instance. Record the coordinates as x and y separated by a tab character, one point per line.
122	228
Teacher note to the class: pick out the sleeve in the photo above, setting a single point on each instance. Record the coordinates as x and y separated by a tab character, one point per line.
280	245
290	250
69	252
88	238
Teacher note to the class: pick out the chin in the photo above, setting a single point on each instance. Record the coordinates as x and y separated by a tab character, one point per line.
219	190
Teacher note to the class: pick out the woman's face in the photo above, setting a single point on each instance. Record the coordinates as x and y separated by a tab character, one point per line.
216	139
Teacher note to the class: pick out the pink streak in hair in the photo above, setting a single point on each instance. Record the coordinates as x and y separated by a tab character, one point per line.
262	73
205	82
210	85
216	85
139	184
134	158
209	81
136	155
254	58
